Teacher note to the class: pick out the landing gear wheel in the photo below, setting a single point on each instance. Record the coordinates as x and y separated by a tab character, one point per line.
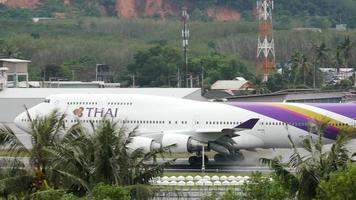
228	158
193	160
238	156
197	160
220	158
206	159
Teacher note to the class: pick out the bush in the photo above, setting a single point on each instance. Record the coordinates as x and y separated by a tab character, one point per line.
260	187
230	195
340	186
141	192
102	191
49	194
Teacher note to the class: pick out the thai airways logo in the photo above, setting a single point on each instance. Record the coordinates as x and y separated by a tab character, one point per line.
78	112
96	112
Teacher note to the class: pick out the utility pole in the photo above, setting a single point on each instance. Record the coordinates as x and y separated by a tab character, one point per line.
185	36
265	46
133	81
178	77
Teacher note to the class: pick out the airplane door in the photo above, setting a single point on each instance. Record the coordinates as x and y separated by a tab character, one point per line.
197	123
261	129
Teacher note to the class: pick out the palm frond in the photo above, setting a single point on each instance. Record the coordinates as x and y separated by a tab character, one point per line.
75	179
11	142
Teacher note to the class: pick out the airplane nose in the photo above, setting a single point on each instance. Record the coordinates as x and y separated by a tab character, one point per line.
21	121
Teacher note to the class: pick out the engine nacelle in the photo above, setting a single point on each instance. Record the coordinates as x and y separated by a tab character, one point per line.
219	148
146	144
182	143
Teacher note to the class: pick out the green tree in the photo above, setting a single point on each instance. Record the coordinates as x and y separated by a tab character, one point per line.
44	132
312	168
340	186
260	187
156	66
102	191
218	67
261	86
321	55
55	71
277	82
8	50
102	157
230	195
301	68
345	48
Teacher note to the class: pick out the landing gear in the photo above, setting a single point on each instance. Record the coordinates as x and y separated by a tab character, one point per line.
197	160
238	156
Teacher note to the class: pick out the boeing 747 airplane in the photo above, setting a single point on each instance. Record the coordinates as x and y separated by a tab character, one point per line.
225	128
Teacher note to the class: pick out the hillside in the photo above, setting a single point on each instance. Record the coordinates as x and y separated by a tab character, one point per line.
85	38
129	8
316	13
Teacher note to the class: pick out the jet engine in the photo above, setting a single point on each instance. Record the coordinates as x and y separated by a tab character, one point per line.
181	143
146	144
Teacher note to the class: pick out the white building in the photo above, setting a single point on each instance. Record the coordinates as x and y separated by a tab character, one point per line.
17	70
331	74
3	78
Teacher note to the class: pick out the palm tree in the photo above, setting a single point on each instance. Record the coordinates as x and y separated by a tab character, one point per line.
321	52
302	174
86	159
44	134
260	85
345	48
300	66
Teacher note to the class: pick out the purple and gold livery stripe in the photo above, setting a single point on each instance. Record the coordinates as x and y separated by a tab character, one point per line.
346	110
293	115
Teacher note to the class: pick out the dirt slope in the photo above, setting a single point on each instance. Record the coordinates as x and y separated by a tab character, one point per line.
143	8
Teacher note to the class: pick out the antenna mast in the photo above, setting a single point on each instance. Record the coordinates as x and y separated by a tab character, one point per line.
185	36
265	46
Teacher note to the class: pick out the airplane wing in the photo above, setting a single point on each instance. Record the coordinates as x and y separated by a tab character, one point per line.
205	135
211	134
249	124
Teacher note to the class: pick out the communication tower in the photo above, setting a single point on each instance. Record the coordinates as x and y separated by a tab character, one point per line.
265	46
185	36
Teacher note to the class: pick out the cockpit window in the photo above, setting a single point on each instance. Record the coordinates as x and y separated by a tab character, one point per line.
47	101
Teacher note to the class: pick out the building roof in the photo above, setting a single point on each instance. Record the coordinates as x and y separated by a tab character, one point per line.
45	92
229	85
13	60
307	95
335	69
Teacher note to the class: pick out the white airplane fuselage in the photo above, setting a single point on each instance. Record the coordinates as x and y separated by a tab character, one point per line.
166	119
